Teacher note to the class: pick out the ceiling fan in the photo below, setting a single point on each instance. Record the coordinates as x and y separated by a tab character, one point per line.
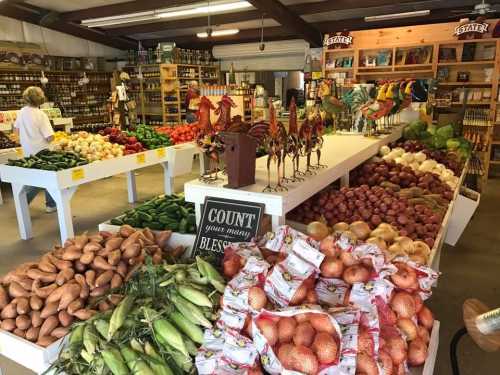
480	10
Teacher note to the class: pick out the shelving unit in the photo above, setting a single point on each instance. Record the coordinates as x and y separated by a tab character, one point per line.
86	104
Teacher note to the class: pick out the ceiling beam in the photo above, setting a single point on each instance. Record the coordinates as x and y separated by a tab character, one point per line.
217	19
288	19
123	8
34	15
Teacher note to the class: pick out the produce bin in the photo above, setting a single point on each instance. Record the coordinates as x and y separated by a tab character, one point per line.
430	362
465	205
27	354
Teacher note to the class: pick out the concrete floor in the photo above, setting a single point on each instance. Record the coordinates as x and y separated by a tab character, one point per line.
468	270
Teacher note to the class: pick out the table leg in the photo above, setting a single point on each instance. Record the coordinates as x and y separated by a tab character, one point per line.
344	180
63	202
198	211
131	187
277	221
203	163
1	198
22	211
168	179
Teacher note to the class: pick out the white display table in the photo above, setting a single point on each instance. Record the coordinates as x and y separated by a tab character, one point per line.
5	155
175	160
340	153
62	122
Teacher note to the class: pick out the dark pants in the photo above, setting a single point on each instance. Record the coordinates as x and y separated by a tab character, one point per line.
32	192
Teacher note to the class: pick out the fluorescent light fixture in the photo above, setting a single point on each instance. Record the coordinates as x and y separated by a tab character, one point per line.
212	8
219	33
395	16
175	12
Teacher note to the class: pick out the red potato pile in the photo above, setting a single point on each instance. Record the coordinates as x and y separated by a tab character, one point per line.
378	173
373	205
40	300
303	342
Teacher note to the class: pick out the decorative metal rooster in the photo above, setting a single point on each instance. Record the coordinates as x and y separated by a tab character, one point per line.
293	143
224	112
208	140
317	137
305	136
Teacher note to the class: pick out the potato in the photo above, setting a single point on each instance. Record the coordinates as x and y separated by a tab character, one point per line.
49	325
104	278
45	341
49	309
100	264
32	334
64	276
46	266
113	243
90	278
59	332
71	293
26	283
23	322
4	297
116	281
131	251
57	294
114	257
130	240
65	318
36	303
74	306
84	314
104	306
126	230
36	319
8	325
23	305
91	247
43	292
19	332
87	257
45	277
80	267
85	290
60	264
71	253
16	290
9	311
99	291
122	268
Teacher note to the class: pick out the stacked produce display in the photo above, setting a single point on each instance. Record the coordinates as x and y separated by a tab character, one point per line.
7	142
93	147
40	300
168	212
130	144
149	138
328	303
179	133
405	189
50	160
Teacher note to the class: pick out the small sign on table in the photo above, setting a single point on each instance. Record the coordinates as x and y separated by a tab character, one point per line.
226	221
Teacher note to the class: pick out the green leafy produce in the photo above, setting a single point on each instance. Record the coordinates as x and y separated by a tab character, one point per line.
150	334
149	138
169	212
50	161
415	130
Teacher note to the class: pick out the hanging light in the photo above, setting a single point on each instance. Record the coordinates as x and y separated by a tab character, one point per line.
43	80
262	45
84	80
218	33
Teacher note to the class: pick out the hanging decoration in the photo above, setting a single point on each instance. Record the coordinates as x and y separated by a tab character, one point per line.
338	40
472	30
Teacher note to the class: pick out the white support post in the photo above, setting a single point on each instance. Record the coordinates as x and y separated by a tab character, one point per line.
277	221
198	211
344	180
1	198
63	202
168	179
131	187
22	211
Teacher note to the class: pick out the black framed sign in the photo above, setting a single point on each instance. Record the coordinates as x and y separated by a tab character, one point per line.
226	221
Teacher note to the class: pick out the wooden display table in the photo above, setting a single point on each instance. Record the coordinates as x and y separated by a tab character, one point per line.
341	154
175	160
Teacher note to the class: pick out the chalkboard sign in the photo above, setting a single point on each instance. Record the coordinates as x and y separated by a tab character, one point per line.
226	221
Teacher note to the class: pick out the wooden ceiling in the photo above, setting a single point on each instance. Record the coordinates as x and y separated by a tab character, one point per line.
284	19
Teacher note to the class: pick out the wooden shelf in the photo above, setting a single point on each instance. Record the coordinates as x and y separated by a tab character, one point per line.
171	114
496	162
340	50
465	83
461	63
339	70
170	103
429	65
471	103
495	142
379	67
398	72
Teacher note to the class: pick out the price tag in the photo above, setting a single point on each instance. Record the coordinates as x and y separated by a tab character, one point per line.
161	152
19	152
77	174
316	75
141	158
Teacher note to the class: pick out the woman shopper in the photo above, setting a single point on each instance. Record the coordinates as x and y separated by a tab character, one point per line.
192	102
35	134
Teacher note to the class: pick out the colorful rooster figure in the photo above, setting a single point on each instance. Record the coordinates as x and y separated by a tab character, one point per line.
305	136
273	136
293	143
374	110
317	137
208	140
224	111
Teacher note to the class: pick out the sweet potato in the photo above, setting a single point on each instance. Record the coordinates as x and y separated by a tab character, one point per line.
116	281
19	332
64	276
4	297
92	247
80	241
22	305
122	268
133	238
99	291
45	341
8	325
16	290
59	263
113	243
32	334
84	288
126	230
161	238
36	303
59	332
26	283
131	271
90	278
104	278
80	267
115	299
56	294
101	264
36	319
9	311
49	325
43	292
104	306
132	250
71	253
74	306
45	277
46	266
49	309
114	257
71	293
84	314
65	318
23	322
97	238
87	257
